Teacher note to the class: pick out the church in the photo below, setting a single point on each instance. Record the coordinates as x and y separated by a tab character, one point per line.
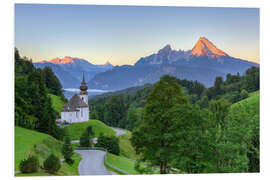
76	110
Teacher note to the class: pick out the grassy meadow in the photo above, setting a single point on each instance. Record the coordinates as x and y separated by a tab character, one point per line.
29	142
75	130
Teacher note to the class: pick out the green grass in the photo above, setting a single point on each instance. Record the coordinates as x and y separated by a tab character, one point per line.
126	149
29	142
75	130
253	93
122	163
57	103
252	100
65	170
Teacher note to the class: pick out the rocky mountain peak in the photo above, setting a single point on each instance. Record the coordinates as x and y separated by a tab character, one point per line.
165	50
204	47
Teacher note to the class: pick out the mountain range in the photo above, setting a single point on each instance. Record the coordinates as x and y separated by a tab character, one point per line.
202	63
69	69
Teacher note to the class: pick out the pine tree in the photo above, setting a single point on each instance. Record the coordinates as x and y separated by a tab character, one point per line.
67	151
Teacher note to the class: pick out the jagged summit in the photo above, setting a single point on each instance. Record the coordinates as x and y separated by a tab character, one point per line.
204	47
107	63
64	60
165	49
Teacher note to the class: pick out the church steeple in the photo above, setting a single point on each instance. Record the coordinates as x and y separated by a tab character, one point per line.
83	86
83	81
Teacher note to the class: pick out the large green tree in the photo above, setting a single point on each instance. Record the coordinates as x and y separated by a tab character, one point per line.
156	137
114	111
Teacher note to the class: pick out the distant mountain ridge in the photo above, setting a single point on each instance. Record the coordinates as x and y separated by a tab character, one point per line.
69	69
203	63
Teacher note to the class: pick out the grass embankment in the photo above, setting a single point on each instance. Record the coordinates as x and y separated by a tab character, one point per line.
254	93
253	100
121	163
75	130
57	103
126	149
29	142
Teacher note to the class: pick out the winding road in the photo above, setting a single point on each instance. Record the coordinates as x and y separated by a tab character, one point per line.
92	162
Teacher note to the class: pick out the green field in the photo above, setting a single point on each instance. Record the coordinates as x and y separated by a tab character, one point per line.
29	142
75	130
122	163
57	103
126	148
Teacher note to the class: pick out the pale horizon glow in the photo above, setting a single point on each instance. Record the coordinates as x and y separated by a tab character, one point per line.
124	34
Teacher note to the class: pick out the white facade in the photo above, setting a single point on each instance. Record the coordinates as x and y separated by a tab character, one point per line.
84	97
81	115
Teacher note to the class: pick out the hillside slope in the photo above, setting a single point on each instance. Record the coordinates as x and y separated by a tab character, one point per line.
29	142
75	130
57	103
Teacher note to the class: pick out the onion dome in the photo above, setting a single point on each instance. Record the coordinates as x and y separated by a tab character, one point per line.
83	86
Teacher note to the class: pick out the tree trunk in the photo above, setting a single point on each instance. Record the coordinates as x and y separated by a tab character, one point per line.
163	168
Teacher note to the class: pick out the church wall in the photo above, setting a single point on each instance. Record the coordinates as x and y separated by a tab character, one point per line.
84	97
84	114
69	117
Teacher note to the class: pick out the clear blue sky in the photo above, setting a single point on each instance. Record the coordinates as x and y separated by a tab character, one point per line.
123	34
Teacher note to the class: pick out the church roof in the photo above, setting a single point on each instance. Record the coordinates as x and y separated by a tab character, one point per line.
74	103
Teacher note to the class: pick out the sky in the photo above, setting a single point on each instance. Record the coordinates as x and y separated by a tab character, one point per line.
124	34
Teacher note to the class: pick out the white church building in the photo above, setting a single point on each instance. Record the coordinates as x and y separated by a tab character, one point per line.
76	110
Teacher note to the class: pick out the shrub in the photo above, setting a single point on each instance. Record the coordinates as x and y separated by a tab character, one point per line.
52	164
85	139
109	143
29	165
67	151
244	94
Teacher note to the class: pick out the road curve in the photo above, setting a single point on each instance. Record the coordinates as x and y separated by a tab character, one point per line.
92	162
118	131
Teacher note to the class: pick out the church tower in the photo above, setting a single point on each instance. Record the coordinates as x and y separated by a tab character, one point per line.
84	93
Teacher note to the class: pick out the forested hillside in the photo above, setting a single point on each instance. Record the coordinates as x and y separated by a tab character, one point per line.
176	135
123	108
33	106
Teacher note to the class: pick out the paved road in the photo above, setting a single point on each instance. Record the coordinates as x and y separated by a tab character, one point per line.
92	163
119	132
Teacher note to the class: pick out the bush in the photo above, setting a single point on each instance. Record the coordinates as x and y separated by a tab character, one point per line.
29	165
67	151
109	143
52	164
85	139
244	94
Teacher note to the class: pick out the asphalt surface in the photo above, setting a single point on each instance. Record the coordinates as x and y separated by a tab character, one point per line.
92	163
119	132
